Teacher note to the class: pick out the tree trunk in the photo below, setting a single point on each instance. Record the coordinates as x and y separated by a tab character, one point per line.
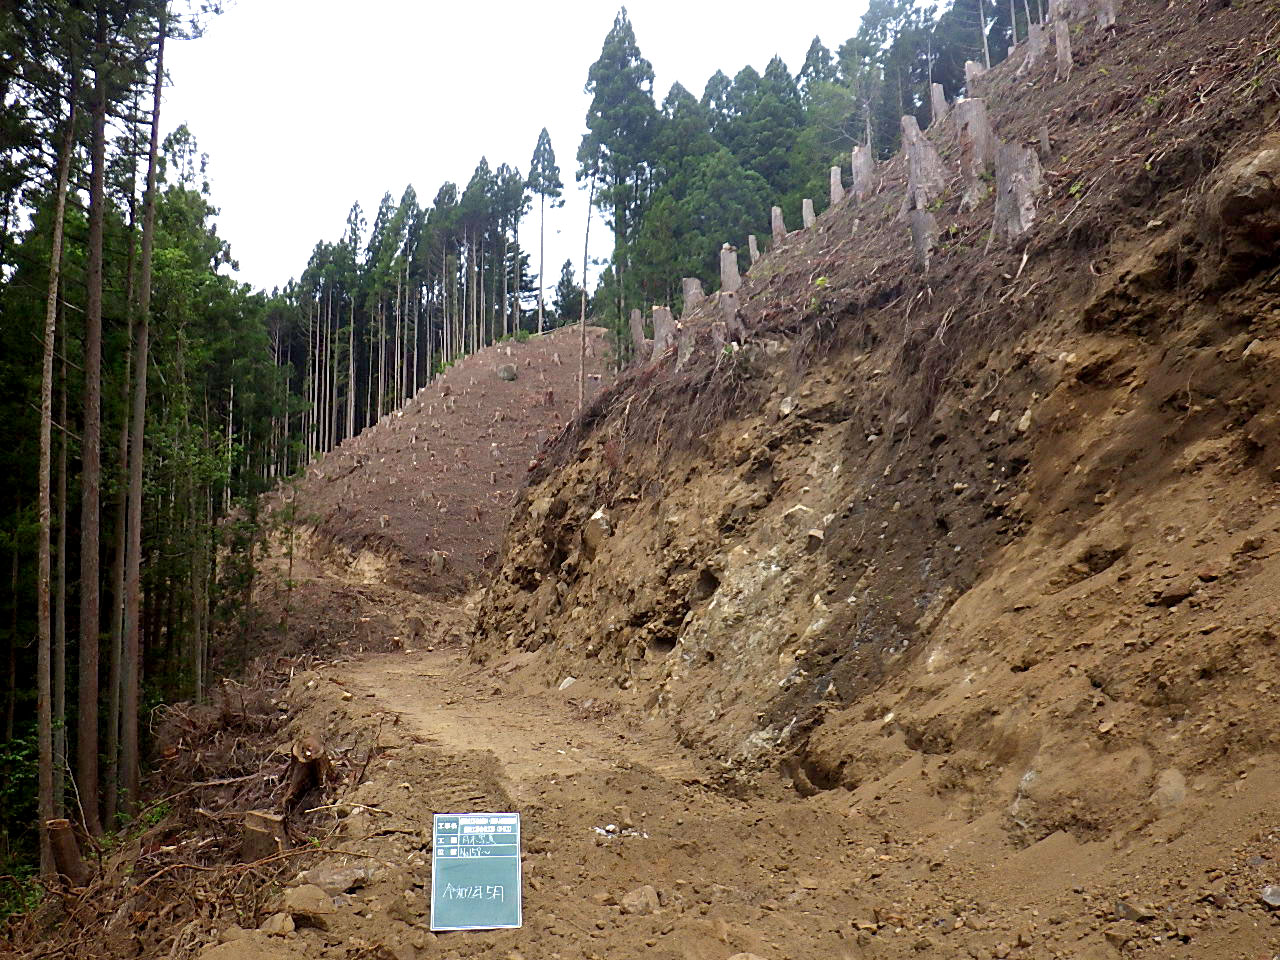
582	317
45	798
111	771
351	371
91	459
132	659
982	23
60	598
542	261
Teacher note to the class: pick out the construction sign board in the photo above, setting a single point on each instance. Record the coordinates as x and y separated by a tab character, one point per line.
475	872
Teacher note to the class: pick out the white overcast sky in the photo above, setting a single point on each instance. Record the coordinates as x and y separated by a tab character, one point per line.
305	106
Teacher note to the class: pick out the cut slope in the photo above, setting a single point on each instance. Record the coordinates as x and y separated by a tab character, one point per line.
423	495
993	549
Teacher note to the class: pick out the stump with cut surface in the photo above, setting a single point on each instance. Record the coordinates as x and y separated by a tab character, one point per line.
977	149
779	227
262	835
730	279
1018	180
926	177
864	169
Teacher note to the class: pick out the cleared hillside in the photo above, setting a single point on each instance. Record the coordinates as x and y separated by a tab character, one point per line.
422	495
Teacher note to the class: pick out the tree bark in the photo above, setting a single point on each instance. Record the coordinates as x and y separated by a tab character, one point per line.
45	799
60	599
91	448
582	318
132	659
982	23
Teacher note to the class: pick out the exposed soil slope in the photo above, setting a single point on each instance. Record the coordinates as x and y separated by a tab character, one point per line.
992	552
427	490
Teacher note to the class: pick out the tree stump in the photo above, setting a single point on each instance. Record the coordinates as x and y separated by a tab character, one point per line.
863	172
1037	46
66	852
729	317
806	213
938	104
663	330
1107	12
973	70
691	290
639	341
753	248
730	279
837	186
263	835
1062	41
926	177
1018	180
924	238
309	769
777	225
977	149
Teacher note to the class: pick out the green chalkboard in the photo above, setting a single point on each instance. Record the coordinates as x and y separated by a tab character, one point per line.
475	871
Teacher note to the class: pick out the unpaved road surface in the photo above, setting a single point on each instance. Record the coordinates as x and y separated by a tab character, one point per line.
612	803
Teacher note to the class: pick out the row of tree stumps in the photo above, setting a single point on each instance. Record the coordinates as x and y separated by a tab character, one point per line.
1015	168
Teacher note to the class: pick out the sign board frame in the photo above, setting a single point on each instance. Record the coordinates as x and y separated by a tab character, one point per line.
478	849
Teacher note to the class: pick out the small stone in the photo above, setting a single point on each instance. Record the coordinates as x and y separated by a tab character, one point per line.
595	532
567	682
641	902
336	880
1271	896
1176	590
1127	911
278	924
507	371
1117	938
746	956
787	406
309	904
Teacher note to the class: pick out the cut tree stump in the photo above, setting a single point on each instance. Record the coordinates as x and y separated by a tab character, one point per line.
1062	41
973	71
924	238
691	293
806	212
729	317
66	852
837	186
864	170
663	330
753	248
263	835
639	342
730	279
926	177
1018	180
777	225
309	769
938	104
977	149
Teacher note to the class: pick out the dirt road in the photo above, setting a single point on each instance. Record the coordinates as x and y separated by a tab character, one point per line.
613	805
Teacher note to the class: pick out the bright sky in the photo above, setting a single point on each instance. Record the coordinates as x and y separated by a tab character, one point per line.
305	106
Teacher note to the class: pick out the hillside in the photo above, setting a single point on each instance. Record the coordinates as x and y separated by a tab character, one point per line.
986	554
422	495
